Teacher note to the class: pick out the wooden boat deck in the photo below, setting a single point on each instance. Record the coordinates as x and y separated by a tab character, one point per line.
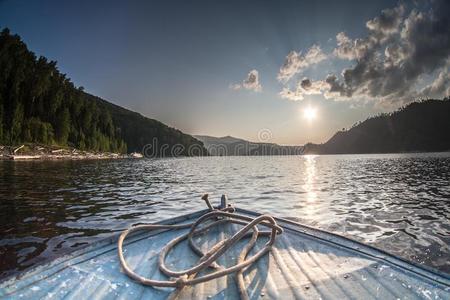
305	263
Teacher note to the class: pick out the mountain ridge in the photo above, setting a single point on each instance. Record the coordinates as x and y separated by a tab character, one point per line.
422	126
232	146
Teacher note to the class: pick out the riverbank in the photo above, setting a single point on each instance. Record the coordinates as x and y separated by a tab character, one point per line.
46	152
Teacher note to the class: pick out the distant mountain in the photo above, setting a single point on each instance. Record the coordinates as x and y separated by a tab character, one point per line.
231	146
419	127
206	139
38	104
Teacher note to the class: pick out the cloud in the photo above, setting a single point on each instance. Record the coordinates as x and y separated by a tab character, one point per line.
387	23
250	83
295	62
335	88
288	94
380	29
330	88
421	47
306	83
439	87
398	51
351	49
304	87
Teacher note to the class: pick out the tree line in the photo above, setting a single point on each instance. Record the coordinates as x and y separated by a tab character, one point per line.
421	126
39	104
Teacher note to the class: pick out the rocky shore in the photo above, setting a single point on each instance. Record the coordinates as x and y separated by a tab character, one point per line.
46	152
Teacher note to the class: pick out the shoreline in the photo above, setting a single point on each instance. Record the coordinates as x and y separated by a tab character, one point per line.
38	152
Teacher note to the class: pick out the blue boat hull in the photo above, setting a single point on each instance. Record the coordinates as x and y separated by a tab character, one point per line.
305	263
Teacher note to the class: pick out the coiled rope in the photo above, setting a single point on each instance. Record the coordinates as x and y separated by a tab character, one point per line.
214	217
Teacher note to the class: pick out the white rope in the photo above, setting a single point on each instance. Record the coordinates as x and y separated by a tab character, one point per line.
209	259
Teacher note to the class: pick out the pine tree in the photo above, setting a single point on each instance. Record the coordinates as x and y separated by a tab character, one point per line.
16	123
63	127
1	119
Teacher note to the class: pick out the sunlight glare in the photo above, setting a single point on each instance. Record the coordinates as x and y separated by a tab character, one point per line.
310	113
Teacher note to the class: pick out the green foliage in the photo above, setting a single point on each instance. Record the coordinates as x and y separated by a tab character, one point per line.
39	104
63	127
138	131
36	131
1	120
16	123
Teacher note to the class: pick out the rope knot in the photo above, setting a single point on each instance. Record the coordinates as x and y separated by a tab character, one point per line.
181	281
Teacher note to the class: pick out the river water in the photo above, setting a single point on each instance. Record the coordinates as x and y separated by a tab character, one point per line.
397	202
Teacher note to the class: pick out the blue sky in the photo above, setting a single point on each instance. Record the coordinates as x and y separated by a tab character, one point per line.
176	61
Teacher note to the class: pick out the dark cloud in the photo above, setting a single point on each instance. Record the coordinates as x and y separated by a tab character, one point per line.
305	87
306	83
335	88
387	23
395	55
380	30
427	39
421	46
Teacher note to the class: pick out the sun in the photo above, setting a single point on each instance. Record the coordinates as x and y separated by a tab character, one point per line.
310	113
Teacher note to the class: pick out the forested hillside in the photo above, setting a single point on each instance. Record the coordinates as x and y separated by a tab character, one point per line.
138	131
39	104
419	127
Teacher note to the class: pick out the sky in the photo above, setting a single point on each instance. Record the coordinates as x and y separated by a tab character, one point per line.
249	69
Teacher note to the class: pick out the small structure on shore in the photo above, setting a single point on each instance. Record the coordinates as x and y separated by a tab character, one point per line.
46	152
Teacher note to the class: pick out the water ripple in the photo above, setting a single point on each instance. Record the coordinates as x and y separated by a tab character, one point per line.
399	203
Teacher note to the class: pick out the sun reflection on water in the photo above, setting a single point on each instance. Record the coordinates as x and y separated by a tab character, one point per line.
310	172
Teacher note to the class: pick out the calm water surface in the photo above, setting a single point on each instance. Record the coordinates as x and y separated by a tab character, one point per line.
399	203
